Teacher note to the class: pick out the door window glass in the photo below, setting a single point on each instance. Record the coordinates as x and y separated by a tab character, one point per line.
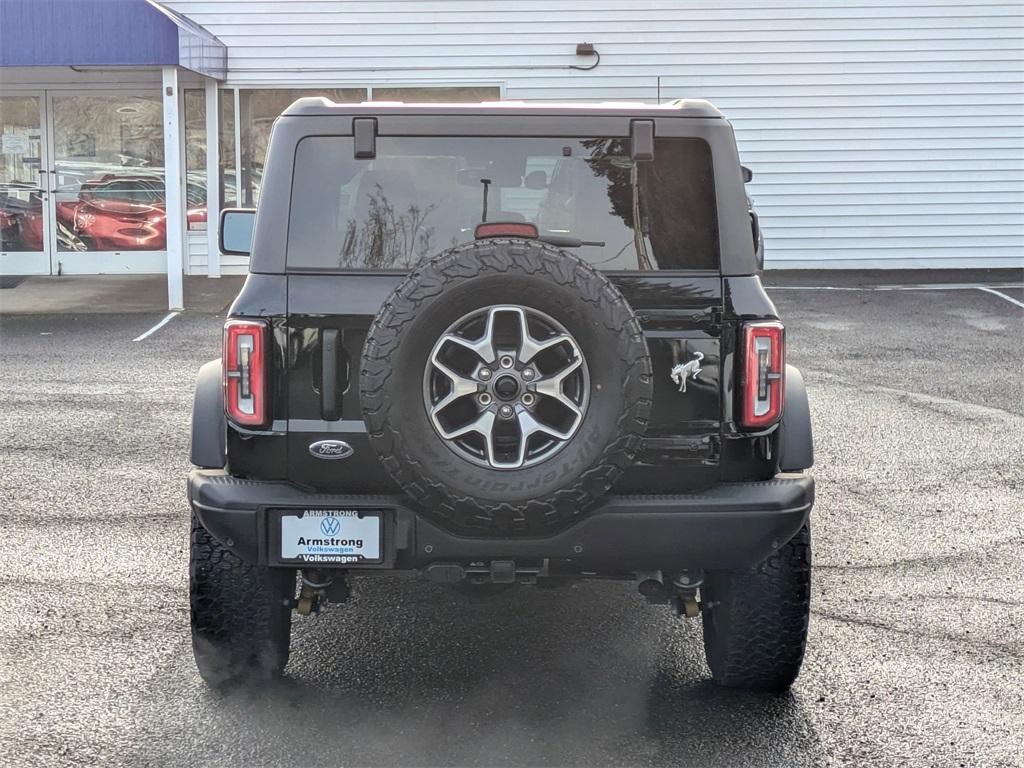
21	202
109	173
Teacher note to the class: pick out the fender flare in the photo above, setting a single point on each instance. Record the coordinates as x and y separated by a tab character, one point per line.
209	427
796	444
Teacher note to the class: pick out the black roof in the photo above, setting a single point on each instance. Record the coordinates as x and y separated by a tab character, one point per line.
321	107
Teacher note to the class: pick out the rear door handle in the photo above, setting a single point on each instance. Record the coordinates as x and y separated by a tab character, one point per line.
329	386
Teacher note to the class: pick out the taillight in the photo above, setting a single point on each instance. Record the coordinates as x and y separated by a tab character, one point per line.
761	377
244	365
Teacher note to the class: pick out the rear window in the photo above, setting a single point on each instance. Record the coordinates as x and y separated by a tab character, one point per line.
419	196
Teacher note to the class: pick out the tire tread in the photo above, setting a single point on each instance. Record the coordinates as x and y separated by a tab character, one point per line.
765	613
240	625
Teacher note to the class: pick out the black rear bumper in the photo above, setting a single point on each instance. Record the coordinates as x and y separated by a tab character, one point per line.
731	525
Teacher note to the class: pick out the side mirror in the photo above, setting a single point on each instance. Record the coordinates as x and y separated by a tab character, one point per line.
536	180
236	231
748	174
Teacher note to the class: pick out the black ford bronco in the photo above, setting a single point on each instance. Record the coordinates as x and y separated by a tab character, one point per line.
501	344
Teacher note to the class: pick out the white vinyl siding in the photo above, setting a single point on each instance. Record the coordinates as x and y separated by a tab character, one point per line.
197	252
881	134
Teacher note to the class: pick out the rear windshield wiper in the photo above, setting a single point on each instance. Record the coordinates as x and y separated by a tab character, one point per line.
564	241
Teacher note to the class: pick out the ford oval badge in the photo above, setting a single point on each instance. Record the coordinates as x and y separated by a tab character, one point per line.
331	449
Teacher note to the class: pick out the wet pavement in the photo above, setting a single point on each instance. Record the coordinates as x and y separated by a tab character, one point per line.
915	653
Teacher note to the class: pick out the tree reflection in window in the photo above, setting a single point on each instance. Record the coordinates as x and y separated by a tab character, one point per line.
674	195
386	239
610	159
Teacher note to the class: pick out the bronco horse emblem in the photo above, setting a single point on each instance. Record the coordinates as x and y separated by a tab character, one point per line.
683	371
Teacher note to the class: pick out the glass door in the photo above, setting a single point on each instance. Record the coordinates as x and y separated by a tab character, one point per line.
24	225
108	202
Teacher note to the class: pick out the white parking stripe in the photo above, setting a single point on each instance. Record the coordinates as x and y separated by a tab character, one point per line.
914	287
1001	295
814	288
157	327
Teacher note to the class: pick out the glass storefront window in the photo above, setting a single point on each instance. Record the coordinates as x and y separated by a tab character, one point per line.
436	94
195	153
195	158
21	201
228	165
258	110
109	163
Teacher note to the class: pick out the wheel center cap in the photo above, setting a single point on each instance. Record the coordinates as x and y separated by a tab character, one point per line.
506	388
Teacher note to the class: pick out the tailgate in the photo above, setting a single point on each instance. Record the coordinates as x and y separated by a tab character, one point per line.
681	318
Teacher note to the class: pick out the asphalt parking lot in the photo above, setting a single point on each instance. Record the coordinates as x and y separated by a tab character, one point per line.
915	656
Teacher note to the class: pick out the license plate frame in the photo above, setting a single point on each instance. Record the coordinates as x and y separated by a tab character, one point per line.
335	544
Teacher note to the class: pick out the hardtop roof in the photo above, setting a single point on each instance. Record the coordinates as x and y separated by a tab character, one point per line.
318	106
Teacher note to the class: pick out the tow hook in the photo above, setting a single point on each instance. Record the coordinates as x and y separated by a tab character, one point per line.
686	606
680	592
319	588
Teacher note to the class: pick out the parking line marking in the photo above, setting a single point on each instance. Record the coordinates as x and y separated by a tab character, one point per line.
914	287
815	288
157	327
1001	295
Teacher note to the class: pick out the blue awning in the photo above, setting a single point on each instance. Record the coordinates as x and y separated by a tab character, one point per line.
108	33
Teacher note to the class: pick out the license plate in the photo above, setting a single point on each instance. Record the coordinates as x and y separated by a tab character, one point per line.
331	536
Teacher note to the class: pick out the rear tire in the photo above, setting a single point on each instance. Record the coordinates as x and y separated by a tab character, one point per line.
241	613
755	620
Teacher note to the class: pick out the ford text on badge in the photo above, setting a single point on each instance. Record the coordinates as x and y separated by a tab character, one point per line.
331	449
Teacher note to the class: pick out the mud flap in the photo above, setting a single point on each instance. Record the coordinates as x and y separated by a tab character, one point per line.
796	445
208	424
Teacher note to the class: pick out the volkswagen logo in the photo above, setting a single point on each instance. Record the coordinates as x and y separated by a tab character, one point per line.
331	449
330	526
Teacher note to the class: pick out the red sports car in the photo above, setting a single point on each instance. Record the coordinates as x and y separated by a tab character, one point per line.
112	213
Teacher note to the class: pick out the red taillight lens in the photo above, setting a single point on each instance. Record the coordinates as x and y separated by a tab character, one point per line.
505	229
245	373
762	376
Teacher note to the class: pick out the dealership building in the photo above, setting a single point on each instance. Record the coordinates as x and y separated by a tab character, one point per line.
880	134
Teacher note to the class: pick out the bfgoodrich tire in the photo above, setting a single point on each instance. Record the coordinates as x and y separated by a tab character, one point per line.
241	613
755	621
543	284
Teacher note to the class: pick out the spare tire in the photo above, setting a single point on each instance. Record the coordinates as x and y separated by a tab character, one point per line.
505	385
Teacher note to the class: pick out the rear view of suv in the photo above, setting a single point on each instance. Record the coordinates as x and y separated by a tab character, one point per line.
501	344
